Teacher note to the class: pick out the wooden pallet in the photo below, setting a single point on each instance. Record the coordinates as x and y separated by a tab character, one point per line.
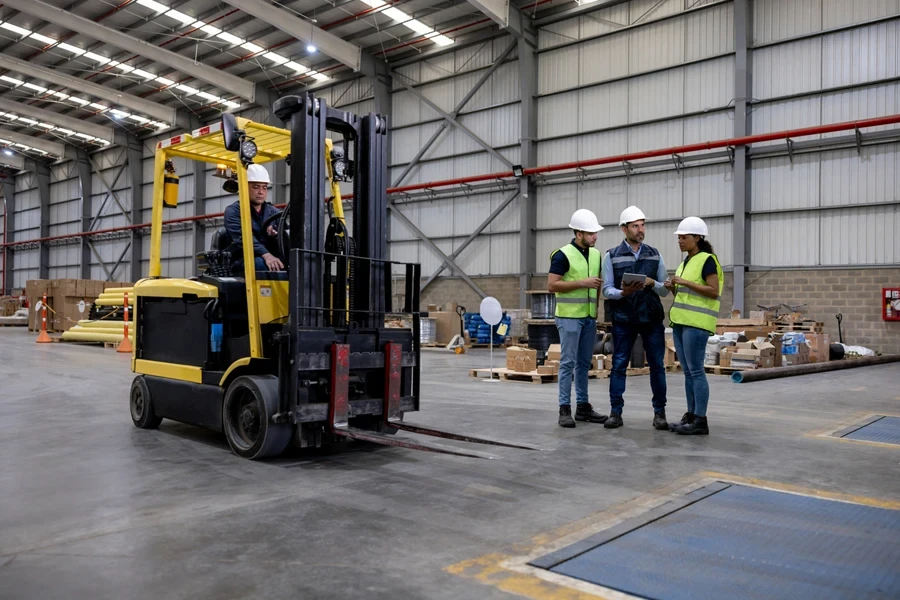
504	374
673	368
629	372
720	370
810	326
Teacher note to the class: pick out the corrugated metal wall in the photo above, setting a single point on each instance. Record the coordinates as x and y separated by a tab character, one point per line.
638	76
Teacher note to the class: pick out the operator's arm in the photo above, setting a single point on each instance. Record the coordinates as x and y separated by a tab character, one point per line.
610	291
661	275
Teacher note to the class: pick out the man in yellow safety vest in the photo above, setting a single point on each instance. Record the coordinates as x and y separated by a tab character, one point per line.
575	280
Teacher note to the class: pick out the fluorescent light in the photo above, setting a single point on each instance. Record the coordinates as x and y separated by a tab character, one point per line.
180	16
27	120
8	152
11	80
296	66
47	125
397	15
187	89
78	100
60	95
209	29
18	145
442	40
144	74
321	76
96	57
124	68
15	28
65	131
140	120
119	114
208	96
161	125
418	26
275	58
153	5
310	48
165	81
231	39
375	3
36	88
84	136
252	47
98	106
70	48
43	38
231	104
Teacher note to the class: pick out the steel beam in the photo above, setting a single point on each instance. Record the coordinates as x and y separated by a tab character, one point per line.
100	214
135	103
135	153
8	187
574	11
42	179
85	171
15	161
222	80
304	30
462	103
110	191
405	82
435	249
528	89
56	149
500	208
743	86
509	18
54	118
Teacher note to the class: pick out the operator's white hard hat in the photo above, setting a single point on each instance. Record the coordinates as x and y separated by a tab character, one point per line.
257	174
584	220
631	214
692	226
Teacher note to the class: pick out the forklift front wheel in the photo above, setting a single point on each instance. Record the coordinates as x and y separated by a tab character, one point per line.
142	413
250	402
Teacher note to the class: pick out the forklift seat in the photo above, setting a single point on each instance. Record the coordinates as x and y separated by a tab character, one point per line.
221	240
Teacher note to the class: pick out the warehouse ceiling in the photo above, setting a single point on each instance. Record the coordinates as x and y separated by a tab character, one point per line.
76	72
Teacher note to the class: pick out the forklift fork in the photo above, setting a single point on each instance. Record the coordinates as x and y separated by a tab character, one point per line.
339	408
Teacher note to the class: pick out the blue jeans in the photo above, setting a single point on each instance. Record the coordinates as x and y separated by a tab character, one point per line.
654	336
238	266
576	340
690	344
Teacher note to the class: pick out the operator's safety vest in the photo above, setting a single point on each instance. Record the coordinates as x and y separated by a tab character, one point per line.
579	303
691	308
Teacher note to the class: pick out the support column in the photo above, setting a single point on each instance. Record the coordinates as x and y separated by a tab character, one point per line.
83	167
135	156
528	158
42	177
8	184
199	196
743	86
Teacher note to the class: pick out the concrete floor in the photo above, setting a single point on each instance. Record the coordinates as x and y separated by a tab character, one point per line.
91	507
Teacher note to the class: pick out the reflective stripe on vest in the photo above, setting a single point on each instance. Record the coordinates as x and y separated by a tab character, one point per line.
581	303
690	307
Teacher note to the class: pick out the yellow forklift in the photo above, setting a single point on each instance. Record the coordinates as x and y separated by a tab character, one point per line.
302	356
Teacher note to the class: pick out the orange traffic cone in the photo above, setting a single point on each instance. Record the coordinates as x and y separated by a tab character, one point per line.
125	344
43	338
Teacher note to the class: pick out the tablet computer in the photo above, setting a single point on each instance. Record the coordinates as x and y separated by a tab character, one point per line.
633	278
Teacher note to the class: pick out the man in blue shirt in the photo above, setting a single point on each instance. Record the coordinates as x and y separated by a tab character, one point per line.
265	246
635	309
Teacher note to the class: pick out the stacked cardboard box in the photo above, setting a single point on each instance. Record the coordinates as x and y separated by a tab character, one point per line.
819	346
794	349
446	322
69	301
749	355
521	359
554	354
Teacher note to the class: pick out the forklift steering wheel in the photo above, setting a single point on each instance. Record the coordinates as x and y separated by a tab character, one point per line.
284	231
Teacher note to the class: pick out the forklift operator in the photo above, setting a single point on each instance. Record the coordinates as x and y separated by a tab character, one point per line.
265	246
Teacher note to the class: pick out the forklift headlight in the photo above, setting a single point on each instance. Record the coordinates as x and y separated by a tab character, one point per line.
248	150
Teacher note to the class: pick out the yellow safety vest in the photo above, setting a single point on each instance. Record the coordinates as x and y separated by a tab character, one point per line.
579	303
690	308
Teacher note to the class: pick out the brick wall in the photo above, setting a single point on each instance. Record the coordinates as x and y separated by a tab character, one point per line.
854	293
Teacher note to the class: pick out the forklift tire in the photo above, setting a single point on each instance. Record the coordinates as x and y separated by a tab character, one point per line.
250	402
142	414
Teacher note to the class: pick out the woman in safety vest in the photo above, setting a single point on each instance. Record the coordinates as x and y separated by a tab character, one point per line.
697	285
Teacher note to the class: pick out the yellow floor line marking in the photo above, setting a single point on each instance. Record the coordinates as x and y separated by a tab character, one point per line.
511	573
859	418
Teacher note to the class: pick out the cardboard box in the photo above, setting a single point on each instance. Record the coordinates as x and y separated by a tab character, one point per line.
597	363
819	347
547	370
34	291
753	355
433	308
446	326
521	359
554	352
763	315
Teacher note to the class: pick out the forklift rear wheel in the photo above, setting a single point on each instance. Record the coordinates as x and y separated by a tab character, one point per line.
142	413
250	402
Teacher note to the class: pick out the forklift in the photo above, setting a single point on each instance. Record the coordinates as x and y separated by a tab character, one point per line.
300	357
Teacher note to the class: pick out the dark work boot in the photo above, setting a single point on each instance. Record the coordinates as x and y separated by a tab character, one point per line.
659	421
585	412
698	426
565	416
688	417
614	420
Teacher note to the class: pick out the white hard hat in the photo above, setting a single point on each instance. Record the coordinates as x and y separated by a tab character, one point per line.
631	214
257	174
692	226
584	220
